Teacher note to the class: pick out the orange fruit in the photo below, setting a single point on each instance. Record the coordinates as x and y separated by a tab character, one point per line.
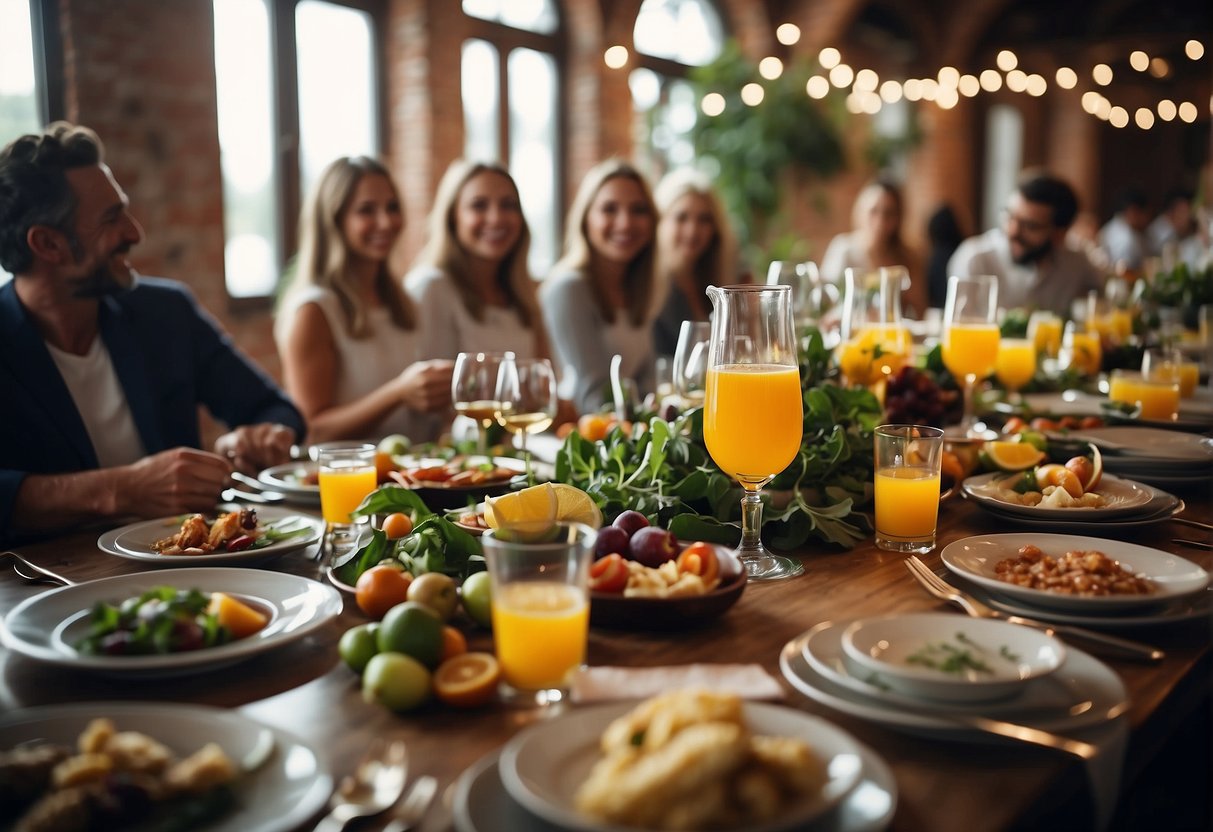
594	426
468	680
453	643
380	588
384	465
239	618
397	525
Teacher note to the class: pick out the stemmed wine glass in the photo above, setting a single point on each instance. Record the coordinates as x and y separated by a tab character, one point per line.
970	335
753	416
691	361
474	389
812	297
526	396
875	341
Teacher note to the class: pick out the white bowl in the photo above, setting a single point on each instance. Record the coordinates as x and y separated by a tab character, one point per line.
917	655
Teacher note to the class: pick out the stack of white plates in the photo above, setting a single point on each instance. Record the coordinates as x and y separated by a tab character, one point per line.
529	786
1065	690
1181	593
1127	504
1168	458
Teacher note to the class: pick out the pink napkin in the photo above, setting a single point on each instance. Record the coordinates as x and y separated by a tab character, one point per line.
600	684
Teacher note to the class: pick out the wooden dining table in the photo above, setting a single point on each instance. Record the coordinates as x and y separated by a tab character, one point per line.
943	784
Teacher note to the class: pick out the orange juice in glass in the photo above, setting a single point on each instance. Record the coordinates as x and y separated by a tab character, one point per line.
753	419
541	609
1016	363
1044	328
347	474
1081	350
1189	378
908	459
1125	387
1159	399
970	350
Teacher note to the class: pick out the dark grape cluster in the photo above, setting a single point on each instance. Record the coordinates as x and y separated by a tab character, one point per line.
913	398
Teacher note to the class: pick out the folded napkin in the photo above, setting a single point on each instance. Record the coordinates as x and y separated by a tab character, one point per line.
600	684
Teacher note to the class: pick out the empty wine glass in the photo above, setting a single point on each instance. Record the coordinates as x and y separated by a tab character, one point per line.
812	297
691	361
753	416
970	336
474	389
526	396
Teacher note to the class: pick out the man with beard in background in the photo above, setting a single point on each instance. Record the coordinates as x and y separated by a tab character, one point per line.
1028	253
103	371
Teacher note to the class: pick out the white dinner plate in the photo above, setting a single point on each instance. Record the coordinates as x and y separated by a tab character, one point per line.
976	557
1050	700
1149	443
134	542
1081	673
276	796
47	626
543	766
1006	657
291	480
1097	526
1122	498
482	803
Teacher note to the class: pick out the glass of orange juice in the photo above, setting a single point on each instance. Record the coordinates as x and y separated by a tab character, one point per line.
1015	365
753	414
1081	349
908	459
347	474
541	610
1044	328
970	336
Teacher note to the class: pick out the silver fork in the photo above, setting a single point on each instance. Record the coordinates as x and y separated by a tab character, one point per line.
943	590
415	805
33	572
374	786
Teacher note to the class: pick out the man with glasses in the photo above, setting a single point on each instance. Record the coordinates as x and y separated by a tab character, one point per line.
1028	252
102	372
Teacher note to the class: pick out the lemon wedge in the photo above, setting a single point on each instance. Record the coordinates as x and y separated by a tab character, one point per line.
1011	456
527	513
575	506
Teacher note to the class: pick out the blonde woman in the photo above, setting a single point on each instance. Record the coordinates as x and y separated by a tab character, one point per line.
876	241
695	249
347	332
599	299
471	279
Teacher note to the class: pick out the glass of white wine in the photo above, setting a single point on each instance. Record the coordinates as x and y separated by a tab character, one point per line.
474	389
526	396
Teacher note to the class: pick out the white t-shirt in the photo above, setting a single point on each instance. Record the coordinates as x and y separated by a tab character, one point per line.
94	385
450	329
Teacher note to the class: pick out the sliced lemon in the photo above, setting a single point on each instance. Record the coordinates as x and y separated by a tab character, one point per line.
1011	456
575	506
529	512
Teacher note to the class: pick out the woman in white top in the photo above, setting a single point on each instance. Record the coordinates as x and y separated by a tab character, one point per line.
876	241
471	281
695	249
347	332
599	299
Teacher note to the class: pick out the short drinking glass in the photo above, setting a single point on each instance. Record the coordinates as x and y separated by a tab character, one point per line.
908	460
541	610
347	474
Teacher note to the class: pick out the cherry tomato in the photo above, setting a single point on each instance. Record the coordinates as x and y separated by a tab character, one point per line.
397	525
380	588
1089	422
609	574
1015	425
700	559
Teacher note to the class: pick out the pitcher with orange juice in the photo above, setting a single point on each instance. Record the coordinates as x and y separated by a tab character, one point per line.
753	414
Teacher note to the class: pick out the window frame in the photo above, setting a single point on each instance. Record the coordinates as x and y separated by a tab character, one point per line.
48	59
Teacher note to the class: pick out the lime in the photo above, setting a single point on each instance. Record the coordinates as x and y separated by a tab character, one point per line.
1036	439
413	629
358	645
396	681
1010	456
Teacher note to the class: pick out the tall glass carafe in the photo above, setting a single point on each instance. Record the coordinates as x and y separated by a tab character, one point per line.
753	415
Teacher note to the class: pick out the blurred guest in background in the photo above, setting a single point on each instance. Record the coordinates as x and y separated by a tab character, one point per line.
348	334
945	235
1028	252
103	371
1175	225
599	299
1123	238
695	249
876	241
471	281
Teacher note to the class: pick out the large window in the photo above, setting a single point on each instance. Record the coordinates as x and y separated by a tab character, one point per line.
670	37
297	86
511	108
1004	159
19	110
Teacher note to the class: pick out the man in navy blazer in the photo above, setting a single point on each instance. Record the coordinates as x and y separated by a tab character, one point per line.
102	371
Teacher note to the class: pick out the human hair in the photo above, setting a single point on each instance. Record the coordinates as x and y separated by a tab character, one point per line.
1045	189
867	198
34	189
443	251
639	282
1132	197
324	254
718	263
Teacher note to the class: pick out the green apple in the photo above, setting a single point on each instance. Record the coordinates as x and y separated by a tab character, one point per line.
396	681
477	597
436	591
395	444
